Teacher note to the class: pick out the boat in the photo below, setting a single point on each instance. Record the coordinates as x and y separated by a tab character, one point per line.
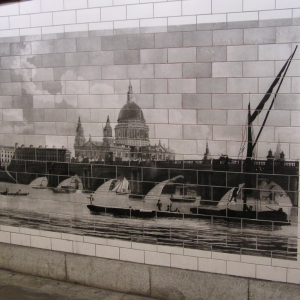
122	211
40	183
242	202
19	193
122	187
185	194
69	186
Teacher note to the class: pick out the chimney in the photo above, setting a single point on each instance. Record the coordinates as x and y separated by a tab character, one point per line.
16	145
31	146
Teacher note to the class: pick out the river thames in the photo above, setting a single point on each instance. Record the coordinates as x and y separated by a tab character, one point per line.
45	210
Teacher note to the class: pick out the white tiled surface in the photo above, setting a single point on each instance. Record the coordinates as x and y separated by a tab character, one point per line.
177	257
145	12
32	18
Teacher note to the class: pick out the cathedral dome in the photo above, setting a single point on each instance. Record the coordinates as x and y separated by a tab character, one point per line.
131	111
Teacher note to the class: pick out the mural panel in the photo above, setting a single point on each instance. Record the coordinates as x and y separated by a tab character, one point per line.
179	145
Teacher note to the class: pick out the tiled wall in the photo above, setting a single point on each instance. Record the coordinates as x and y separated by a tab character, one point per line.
194	66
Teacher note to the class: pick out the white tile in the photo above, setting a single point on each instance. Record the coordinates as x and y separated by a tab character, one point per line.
151	1
123	2
29	231
84	248
101	26
31	31
9	33
296	13
40	242
220	6
245	16
113	13
215	18
44	19
78	4
184	262
119	243
4	237
285	263
52	5
4	23
140	11
226	256
240	269
126	24
9	228
275	14
64	17
252	5
53	29
157	22
167	9
88	15
212	265
76	27
72	237
95	240
19	21
97	3
132	255
10	9
30	7
259	260
182	116
156	258
197	253
271	273
186	20
293	276
61	245
50	234
108	252
287	4
169	249
196	7
142	246
20	239
274	52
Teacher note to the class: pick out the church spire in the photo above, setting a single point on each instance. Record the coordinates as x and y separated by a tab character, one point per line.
129	93
207	155
79	138
107	130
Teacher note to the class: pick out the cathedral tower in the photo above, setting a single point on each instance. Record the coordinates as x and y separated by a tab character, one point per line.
79	138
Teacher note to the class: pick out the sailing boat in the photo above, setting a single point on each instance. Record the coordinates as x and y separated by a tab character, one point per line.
68	186
246	189
185	193
122	187
39	183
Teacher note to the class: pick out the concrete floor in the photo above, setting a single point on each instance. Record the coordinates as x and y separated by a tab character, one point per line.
16	286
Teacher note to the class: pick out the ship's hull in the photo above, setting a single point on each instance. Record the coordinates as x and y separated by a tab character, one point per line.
263	218
14	194
279	217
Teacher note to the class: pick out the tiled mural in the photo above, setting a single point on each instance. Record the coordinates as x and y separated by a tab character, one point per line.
143	137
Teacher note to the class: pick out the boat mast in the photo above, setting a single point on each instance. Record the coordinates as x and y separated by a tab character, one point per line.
251	118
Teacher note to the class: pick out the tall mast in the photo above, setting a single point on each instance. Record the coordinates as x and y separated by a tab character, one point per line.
251	118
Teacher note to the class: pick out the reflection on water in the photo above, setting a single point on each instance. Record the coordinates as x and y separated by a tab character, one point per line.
45	210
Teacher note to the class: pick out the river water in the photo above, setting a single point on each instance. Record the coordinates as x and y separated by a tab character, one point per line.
43	209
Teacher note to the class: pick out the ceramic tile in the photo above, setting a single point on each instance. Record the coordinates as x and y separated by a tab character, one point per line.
192	89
